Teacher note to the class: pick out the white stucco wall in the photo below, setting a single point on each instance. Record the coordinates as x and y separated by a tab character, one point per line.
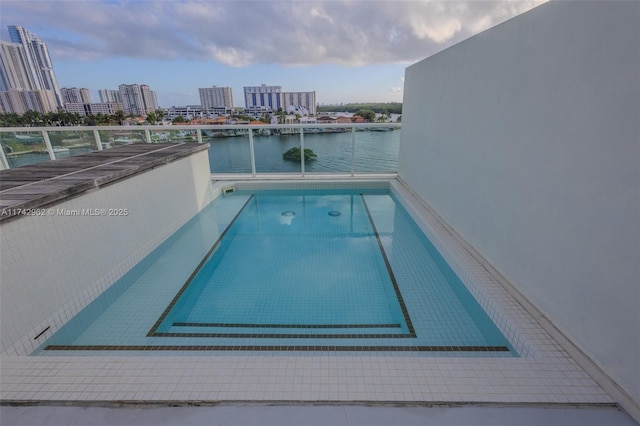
54	265
526	140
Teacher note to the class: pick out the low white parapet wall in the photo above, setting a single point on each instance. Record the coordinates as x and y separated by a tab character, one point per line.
57	259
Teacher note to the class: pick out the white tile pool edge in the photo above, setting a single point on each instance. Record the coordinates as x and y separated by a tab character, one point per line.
471	273
546	375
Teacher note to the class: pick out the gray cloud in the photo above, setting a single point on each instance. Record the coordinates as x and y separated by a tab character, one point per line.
240	33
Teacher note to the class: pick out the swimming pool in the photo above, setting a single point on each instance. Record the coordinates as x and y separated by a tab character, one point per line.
289	270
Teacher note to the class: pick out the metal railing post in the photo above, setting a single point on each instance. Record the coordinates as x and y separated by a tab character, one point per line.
96	136
302	151
199	135
147	135
252	153
47	143
3	159
353	150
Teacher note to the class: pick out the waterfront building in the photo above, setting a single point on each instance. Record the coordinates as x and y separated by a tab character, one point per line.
188	112
303	103
107	95
257	111
215	97
264	96
87	108
191	112
222	111
75	95
37	61
325	119
138	99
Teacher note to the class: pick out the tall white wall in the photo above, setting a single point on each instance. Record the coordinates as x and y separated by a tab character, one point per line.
526	139
52	266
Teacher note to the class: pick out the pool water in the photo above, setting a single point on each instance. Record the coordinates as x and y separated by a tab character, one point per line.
284	270
289	264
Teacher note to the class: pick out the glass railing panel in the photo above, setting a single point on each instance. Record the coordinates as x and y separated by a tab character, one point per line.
216	134
376	147
270	146
230	154
115	138
67	143
377	150
173	136
23	148
332	147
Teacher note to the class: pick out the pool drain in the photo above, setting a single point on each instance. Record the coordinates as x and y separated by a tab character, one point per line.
334	213
288	213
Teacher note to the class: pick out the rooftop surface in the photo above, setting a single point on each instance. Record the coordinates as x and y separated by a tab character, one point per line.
545	385
38	185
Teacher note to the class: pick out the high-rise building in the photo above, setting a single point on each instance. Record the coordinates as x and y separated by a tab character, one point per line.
138	99
107	95
300	101
264	96
19	101
37	60
215	97
14	68
20	90
75	95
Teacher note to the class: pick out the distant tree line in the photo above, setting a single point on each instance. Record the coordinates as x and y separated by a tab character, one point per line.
63	118
378	107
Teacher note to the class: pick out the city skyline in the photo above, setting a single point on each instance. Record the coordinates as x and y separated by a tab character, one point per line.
344	51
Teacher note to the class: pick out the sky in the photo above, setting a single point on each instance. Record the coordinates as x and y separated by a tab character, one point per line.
344	50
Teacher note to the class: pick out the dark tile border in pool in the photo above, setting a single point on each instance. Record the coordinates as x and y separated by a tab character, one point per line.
222	325
291	348
411	334
396	289
289	335
195	272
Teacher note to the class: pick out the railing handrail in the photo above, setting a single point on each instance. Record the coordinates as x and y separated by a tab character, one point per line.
194	127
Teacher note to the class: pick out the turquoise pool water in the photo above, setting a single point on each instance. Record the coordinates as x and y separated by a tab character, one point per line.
311	271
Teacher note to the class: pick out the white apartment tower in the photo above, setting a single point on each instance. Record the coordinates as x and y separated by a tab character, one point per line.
38	62
300	101
14	68
138	99
107	96
19	88
264	96
74	95
215	97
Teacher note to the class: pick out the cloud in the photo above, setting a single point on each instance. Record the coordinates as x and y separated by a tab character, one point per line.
397	89
241	33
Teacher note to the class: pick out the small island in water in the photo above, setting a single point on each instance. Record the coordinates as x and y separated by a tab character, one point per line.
294	154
